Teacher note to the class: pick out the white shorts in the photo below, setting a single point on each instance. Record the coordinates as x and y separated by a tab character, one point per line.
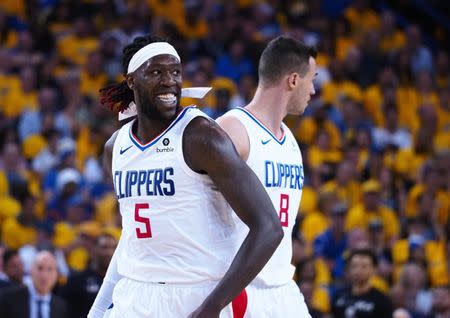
133	299
280	302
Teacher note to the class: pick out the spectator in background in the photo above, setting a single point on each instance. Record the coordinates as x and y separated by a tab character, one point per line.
331	244
410	292
36	299
13	269
23	97
82	287
401	313
361	299
441	302
246	89
421	57
391	134
222	97
234	64
371	208
21	229
48	158
37	121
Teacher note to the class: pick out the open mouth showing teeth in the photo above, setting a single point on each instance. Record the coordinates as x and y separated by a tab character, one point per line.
167	98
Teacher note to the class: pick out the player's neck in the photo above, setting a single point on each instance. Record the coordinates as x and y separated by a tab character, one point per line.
268	105
146	129
360	289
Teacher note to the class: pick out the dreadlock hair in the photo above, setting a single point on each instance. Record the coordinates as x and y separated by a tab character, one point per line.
117	97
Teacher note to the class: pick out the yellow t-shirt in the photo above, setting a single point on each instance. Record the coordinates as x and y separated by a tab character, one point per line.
331	92
78	259
308	203
76	49
317	157
90	85
17	101
373	99
9	208
359	217
15	235
443	119
350	194
171	10
308	129
64	234
314	224
321	299
435	256
14	7
441	197
393	42
362	21
105	209
4	186
193	31
343	46
408	163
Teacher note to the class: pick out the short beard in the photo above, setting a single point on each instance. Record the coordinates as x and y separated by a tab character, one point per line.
148	110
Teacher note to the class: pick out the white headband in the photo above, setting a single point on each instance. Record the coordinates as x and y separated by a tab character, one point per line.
149	51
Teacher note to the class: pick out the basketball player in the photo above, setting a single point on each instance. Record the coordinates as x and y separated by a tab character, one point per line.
172	168
286	71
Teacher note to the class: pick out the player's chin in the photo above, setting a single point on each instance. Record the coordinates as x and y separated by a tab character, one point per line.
168	109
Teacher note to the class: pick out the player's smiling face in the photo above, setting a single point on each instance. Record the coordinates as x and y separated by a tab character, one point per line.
157	87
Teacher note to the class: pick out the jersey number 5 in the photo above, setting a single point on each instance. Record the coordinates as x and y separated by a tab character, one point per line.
147	233
284	208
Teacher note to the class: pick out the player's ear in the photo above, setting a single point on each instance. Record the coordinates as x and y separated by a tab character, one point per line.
130	81
293	80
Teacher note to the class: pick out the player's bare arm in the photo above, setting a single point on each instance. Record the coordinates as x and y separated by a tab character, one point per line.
107	152
208	149
237	133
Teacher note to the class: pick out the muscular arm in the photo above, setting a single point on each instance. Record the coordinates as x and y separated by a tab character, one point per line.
104	296
207	148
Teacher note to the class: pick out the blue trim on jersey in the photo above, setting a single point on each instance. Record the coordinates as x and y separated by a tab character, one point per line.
262	126
154	141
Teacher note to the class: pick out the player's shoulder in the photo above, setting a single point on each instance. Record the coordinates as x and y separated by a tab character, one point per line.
202	131
109	144
231	123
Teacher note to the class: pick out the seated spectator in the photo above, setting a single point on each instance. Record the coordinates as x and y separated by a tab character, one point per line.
12	268
36	298
235	63
441	301
331	244
411	290
391	134
371	208
82	287
361	299
20	230
345	184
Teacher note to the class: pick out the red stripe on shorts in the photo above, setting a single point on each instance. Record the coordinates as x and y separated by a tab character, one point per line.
239	305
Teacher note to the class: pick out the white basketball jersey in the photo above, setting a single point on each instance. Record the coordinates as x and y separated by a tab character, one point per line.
278	165
177	228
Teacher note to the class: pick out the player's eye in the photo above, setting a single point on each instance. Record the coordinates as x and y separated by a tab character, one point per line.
155	72
176	72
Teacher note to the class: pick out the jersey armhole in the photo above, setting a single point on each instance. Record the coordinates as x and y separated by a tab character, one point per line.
182	161
246	128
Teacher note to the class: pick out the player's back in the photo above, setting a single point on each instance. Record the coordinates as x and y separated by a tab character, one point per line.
177	228
278	165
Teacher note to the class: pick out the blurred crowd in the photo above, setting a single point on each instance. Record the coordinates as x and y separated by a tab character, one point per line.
375	138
